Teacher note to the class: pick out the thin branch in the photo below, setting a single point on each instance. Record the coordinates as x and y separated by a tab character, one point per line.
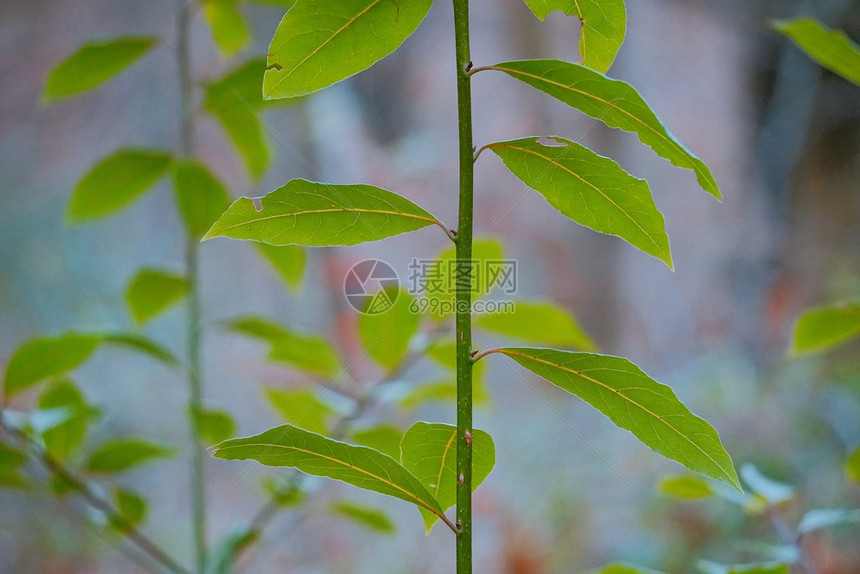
59	470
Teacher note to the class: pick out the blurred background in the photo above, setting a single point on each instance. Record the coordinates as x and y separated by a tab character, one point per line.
569	492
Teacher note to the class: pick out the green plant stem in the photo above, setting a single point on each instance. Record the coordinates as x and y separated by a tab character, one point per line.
195	383
464	292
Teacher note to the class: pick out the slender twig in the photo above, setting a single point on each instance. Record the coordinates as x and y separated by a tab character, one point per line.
269	510
195	384
146	546
788	536
464	292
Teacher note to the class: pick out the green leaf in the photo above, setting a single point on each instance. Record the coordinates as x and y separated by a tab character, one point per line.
11	479
825	518
386	335
320	42
384	438
438	281
833	49
592	190
64	439
824	328
234	102
131	507
92	65
624	568
11	458
685	487
301	408
429	451
229	28
288	261
215	426
852	466
321	456
47	357
221	558
115	182
537	323
771	491
308	353
318	214
707	567
151	292
604	24
124	454
200	196
635	402
366	516
143	345
613	102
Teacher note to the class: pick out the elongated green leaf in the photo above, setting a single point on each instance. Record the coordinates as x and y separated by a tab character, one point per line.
229	28
318	214
366	516
624	568
320	42
833	49
215	426
234	101
321	456
64	439
384	438
9	478
132	509
47	357
537	323
152	292
604	24
121	455
386	335
92	65
305	352
592	190
115	182
201	197
824	328
11	458
635	402
429	451
143	345
685	487
301	408
288	261
613	102
852	466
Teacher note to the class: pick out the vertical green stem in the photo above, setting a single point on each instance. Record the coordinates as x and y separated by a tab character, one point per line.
464	292
195	386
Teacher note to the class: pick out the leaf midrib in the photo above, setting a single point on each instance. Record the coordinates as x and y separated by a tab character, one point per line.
412	496
618	393
349	23
429	220
554	162
612	105
442	466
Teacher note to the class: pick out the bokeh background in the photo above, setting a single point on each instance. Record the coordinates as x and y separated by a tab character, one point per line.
780	135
